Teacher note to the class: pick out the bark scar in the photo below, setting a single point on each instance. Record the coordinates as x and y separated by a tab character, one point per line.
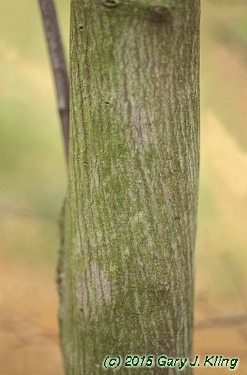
111	3
160	13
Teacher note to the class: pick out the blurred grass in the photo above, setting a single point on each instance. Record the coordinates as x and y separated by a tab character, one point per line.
33	185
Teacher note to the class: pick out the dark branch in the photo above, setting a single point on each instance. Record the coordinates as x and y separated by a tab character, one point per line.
58	65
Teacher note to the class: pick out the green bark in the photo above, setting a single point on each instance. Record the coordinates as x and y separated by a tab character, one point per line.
126	274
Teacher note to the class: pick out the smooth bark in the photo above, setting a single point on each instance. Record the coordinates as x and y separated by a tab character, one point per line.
126	272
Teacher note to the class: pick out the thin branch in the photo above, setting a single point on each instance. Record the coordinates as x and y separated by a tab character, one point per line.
224	321
58	65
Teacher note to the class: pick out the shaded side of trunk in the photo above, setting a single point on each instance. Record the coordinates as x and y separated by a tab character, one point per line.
127	265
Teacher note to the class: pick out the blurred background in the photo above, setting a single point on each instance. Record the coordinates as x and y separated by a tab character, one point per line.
33	185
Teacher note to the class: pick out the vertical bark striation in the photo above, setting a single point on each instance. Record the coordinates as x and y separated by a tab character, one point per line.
127	265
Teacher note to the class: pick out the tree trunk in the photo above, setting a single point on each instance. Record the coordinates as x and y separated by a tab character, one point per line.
126	272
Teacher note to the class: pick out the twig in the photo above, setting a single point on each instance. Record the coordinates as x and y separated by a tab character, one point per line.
224	321
58	65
